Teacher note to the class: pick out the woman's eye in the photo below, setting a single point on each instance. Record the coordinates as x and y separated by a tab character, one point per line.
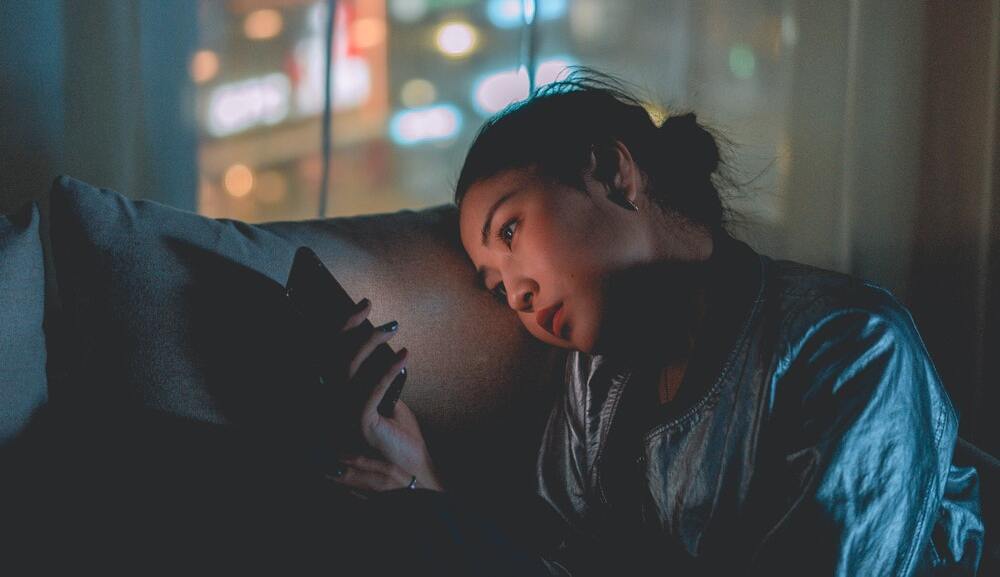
502	232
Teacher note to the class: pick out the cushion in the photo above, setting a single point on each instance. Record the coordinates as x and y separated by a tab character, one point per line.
167	310
22	338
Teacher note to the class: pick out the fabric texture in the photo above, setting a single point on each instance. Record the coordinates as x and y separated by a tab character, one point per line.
162	309
150	302
23	381
815	438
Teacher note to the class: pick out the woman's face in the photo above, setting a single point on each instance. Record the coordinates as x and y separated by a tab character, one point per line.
550	244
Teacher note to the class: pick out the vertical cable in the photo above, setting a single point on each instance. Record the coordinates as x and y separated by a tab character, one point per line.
327	107
529	39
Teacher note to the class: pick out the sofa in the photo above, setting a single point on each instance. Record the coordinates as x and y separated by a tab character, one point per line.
148	363
136	335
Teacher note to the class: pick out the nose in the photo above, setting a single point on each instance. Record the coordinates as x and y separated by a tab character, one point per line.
521	297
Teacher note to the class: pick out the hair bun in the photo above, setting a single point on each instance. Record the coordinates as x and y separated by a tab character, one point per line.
690	144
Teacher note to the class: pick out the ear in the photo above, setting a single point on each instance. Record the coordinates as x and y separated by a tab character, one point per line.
614	167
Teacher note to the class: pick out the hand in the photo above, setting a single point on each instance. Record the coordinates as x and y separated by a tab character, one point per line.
402	452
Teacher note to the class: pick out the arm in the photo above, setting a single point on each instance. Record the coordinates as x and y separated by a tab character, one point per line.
864	431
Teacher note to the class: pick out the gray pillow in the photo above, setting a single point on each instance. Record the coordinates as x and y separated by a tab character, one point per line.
169	310
164	309
22	306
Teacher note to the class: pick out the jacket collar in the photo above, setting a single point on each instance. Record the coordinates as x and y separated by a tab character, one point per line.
733	279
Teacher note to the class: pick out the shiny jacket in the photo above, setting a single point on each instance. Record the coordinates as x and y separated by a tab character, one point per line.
811	436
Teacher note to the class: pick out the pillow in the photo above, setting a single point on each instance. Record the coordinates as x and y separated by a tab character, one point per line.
22	306
169	310
166	310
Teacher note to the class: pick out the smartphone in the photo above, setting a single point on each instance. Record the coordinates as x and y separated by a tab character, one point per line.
324	307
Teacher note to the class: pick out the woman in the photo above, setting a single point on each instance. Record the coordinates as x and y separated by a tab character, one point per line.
724	412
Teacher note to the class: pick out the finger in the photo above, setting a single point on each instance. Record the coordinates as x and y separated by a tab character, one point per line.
373	339
370	411
377	466
364	307
357	478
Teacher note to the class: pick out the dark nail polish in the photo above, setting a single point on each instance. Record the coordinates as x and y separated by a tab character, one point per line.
362	303
389	327
339	471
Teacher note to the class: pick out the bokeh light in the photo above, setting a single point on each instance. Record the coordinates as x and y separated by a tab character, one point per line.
408	11
456	39
514	13
263	24
742	61
368	33
238	180
417	92
204	66
429	124
493	92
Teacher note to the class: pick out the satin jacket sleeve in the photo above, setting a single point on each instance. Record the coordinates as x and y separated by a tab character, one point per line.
861	437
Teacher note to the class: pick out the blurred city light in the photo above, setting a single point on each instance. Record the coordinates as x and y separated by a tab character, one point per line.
238	180
493	92
511	13
352	75
263	24
417	92
789	30
242	105
456	39
351	79
428	124
741	61
204	66
529	11
408	10
368	33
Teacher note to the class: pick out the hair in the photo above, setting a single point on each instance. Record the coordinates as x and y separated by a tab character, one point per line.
555	129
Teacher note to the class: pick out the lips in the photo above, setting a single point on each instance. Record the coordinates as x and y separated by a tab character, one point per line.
545	316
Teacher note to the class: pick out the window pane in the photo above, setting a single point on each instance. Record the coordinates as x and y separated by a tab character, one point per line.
414	80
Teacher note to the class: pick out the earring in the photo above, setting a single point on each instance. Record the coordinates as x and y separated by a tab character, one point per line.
617	197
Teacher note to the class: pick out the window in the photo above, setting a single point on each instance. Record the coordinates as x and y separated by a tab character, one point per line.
414	80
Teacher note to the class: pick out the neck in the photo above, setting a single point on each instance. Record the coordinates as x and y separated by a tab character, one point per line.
656	311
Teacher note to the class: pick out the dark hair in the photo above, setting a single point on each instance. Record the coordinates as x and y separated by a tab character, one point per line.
556	128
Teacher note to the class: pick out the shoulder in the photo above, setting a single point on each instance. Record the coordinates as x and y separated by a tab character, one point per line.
807	303
846	346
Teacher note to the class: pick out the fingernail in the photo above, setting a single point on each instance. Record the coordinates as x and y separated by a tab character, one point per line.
339	471
389	327
362	303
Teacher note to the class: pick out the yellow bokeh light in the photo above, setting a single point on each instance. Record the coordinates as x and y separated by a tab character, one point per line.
204	66
368	32
417	92
456	39
238	180
263	24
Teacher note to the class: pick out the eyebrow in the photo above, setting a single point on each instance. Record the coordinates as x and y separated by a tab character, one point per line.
489	215
487	225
